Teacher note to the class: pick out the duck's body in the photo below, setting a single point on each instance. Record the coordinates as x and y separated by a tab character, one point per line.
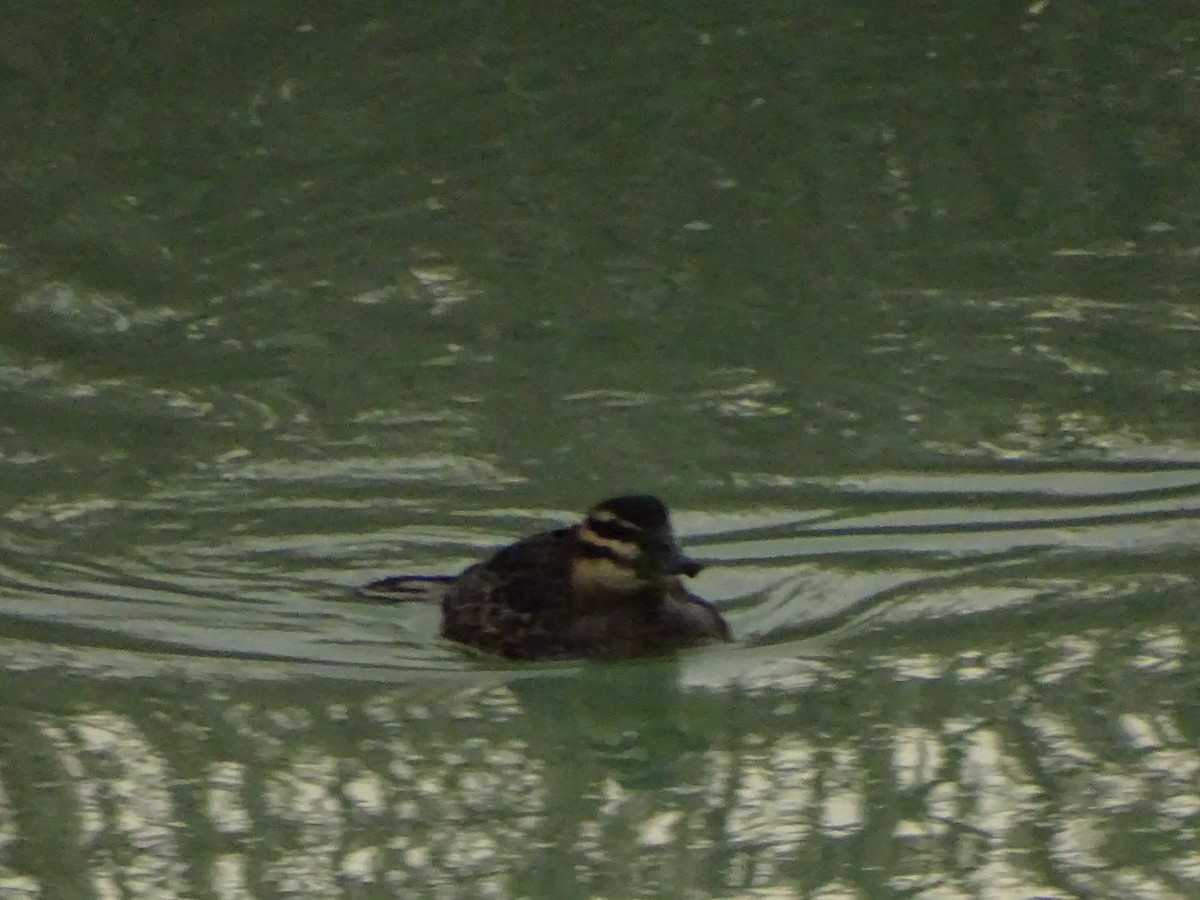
607	587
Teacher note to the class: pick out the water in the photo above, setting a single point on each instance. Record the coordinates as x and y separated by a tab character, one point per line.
899	315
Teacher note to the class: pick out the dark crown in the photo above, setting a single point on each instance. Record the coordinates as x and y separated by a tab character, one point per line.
639	510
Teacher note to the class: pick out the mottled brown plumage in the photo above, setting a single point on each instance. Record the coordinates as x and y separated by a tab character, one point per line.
607	587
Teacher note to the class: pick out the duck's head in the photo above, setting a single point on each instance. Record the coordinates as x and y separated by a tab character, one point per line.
627	544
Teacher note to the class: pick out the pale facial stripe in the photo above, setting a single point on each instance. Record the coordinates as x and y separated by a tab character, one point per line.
605	574
618	550
605	524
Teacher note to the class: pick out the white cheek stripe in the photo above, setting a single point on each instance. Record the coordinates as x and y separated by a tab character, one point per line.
623	549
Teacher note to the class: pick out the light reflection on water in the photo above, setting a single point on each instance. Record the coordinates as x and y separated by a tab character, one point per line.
261	587
969	759
261	342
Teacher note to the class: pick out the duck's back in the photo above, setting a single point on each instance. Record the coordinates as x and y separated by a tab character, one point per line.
517	603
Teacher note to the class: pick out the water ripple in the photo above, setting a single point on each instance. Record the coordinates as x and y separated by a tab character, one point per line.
260	562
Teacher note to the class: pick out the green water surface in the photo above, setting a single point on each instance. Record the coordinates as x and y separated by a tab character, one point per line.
897	307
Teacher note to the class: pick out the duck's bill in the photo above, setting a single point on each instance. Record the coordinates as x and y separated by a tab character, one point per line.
675	563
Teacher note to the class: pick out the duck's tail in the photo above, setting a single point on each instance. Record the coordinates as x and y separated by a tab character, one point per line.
407	589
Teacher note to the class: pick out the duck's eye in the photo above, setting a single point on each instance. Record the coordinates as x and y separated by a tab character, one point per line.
613	529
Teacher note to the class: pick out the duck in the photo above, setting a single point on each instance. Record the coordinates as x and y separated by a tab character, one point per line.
609	586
